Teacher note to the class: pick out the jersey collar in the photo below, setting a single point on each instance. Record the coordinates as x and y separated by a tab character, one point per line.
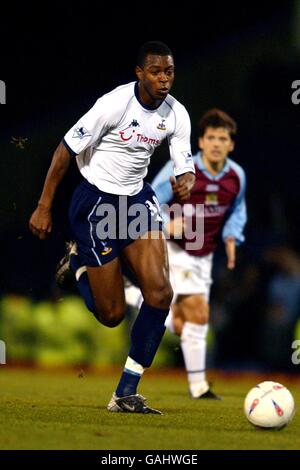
145	106
201	166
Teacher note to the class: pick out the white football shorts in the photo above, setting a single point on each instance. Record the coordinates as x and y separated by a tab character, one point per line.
189	274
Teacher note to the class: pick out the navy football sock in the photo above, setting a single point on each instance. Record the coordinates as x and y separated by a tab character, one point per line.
82	282
146	335
128	384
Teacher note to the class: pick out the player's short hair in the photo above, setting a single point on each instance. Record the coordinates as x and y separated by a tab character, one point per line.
152	48
217	118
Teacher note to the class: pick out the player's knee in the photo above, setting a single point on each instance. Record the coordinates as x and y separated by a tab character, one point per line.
195	310
201	318
160	296
202	314
111	317
178	325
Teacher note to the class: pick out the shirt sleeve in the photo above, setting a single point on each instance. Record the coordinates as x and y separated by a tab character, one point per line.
235	224
162	185
91	127
180	145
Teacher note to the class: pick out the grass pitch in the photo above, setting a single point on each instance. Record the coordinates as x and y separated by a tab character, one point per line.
67	410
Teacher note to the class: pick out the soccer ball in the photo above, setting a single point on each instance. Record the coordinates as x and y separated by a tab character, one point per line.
269	405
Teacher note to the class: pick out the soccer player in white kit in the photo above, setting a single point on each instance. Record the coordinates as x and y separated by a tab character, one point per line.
113	143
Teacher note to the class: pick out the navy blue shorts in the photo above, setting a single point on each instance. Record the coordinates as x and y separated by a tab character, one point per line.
104	224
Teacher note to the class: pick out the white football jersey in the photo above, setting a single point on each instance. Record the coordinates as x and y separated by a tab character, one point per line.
114	140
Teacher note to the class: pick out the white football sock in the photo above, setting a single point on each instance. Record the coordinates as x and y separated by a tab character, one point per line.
133	367
193	345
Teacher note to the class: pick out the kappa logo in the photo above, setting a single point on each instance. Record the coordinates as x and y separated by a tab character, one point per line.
80	132
134	123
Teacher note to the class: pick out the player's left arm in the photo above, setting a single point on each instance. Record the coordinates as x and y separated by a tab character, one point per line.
182	186
164	193
181	155
233	230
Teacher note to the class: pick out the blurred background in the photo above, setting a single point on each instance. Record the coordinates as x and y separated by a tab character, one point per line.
56	60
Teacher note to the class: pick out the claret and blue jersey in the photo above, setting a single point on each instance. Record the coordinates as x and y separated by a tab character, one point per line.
222	196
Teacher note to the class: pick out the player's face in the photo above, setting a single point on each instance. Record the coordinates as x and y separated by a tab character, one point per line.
155	78
215	144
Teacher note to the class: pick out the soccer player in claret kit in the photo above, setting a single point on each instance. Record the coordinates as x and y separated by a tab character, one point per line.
113	143
220	188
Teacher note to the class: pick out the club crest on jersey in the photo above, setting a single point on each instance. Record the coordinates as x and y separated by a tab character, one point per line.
211	199
161	126
80	132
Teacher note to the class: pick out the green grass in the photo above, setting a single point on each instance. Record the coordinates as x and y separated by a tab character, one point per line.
61	410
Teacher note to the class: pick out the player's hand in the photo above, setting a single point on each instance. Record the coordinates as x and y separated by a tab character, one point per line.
183	186
175	227
230	251
40	222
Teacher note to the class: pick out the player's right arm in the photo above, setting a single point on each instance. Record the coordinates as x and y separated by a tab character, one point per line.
40	222
181	155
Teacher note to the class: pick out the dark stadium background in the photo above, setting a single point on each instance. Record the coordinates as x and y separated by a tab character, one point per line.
56	59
